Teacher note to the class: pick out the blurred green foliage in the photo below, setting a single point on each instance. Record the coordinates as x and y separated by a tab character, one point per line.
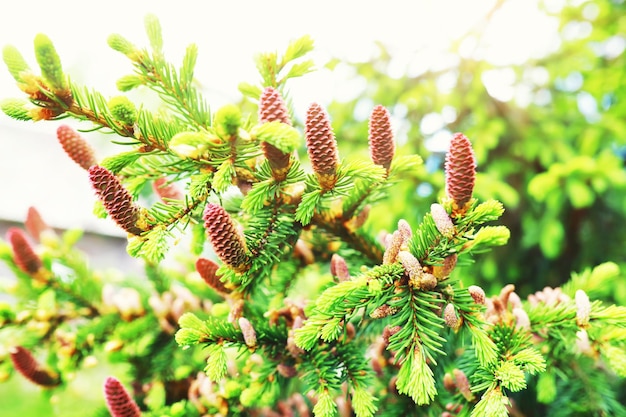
553	154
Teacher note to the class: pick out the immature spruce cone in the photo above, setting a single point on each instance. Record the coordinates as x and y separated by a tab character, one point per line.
116	199
227	242
76	147
321	146
35	225
23	254
208	271
272	108
166	190
27	365
118	400
381	137
460	170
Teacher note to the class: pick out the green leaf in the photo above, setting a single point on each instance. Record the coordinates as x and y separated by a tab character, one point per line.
546	388
300	69
325	406
189	64
16	108
128	82
123	110
493	404
50	63
227	121
120	161
616	358
216	363
121	44
580	194
306	208
199	186
153	30
363	403
551	238
224	176
486	349
543	184
489	236
416	379
154	244
530	360
511	376
284	137
192	330
14	61
298	48
250	90
488	211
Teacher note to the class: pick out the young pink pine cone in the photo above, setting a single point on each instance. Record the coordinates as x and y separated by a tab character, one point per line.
27	365
208	272
116	199
35	225
321	146
76	147
460	170
166	190
381	143
227	242
119	402
272	108
23	254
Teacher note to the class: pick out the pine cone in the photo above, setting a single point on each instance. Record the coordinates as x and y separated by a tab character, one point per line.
116	199
119	402
381	137
23	254
166	190
76	147
272	108
227	242
34	224
321	146
27	365
460	170
207	270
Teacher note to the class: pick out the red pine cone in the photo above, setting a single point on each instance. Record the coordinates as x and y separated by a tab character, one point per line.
381	143
321	145
460	170
227	242
27	365
207	270
76	147
166	190
35	225
272	108
118	400
116	199
23	254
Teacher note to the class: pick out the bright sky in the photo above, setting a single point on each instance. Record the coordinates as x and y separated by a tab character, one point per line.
229	33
